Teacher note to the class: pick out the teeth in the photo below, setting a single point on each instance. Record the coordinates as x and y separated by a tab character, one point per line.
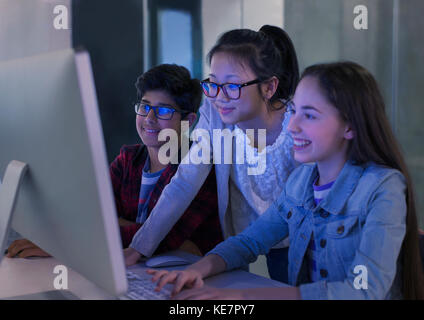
151	131
301	143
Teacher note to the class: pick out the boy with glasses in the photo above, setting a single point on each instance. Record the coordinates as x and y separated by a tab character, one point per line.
166	96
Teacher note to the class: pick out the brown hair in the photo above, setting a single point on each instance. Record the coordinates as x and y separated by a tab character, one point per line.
355	93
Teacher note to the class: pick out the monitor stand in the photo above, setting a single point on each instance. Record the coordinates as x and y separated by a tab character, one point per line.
13	176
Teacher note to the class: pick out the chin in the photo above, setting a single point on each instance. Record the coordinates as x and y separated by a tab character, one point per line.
231	119
150	142
302	158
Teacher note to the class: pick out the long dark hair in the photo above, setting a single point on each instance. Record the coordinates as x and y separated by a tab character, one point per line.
268	52
355	93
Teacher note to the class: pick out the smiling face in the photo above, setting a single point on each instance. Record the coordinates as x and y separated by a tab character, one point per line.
226	69
319	133
148	127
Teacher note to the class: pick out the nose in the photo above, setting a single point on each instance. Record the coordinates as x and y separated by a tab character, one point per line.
151	117
221	95
293	126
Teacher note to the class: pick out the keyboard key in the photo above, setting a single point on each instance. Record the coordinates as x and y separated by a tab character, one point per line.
141	287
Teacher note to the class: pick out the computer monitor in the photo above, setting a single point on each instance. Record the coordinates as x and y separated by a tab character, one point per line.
49	120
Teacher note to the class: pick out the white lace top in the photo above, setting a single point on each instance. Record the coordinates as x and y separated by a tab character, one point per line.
252	194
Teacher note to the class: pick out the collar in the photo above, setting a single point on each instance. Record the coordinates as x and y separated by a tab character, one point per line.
302	194
342	188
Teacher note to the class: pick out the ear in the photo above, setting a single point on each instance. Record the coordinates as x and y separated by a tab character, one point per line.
269	87
191	118
349	134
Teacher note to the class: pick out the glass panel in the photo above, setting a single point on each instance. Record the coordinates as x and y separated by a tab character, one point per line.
175	38
410	111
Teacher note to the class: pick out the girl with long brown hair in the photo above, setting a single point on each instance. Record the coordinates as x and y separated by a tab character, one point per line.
348	210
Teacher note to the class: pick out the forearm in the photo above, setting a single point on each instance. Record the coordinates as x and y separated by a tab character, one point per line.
209	265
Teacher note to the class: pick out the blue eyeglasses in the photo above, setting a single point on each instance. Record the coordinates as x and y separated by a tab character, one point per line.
163	113
231	90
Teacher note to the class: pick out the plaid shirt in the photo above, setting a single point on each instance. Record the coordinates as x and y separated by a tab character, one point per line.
200	222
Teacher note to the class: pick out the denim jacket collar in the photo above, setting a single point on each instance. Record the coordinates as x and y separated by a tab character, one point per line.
340	192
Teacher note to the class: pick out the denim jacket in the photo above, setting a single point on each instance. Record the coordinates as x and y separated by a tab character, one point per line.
358	230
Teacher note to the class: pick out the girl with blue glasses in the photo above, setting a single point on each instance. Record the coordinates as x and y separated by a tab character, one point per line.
252	75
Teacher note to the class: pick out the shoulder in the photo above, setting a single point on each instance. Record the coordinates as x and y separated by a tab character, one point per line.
130	149
128	152
375	175
377	179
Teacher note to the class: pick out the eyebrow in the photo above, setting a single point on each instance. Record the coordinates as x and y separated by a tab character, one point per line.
161	104
308	107
229	76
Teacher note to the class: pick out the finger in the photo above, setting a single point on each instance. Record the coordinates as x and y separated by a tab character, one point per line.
153	273
181	280
18	247
32	252
167	278
198	283
158	274
12	248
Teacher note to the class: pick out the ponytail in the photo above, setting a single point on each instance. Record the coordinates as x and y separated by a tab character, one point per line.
289	67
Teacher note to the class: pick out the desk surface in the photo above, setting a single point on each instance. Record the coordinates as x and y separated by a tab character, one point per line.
28	276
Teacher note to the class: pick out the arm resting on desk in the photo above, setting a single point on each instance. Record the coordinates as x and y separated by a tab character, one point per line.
192	279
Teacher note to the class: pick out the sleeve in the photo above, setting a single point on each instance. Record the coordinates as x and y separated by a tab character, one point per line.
175	197
244	248
199	223
374	267
116	170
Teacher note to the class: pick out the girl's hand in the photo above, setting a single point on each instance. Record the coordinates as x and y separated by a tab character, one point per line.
209	293
24	248
180	278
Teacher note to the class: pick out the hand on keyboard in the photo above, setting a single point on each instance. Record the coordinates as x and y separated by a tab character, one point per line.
141	287
180	278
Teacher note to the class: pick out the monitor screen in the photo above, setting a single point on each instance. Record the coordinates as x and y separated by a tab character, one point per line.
49	120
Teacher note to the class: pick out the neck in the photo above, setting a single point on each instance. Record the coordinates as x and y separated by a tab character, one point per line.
329	169
269	120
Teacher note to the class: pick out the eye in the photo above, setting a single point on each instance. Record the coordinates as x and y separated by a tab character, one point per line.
212	85
309	116
145	107
163	111
231	86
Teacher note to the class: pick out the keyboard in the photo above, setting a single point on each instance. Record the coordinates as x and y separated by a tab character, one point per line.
141	287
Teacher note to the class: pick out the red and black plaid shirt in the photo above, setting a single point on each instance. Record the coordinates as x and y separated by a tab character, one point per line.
199	223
